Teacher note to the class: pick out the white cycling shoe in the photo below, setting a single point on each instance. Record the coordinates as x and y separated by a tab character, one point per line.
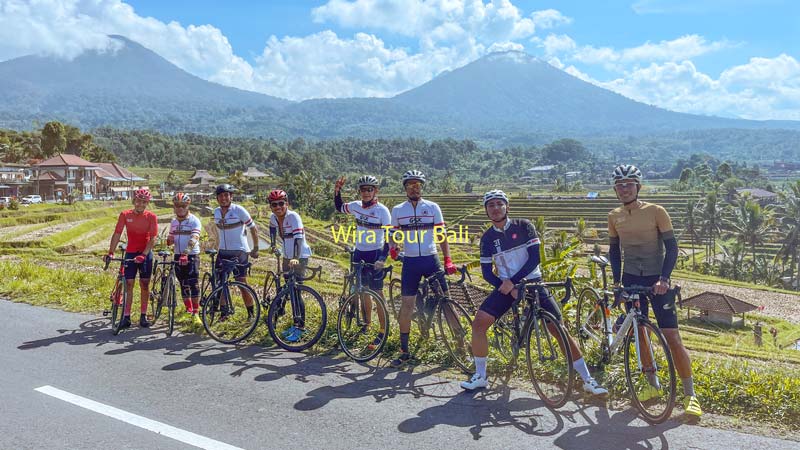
476	382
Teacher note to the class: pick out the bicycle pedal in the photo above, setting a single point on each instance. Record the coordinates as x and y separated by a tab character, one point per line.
106	312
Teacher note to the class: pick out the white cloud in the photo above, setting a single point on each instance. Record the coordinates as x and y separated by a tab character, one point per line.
679	49
549	18
555	43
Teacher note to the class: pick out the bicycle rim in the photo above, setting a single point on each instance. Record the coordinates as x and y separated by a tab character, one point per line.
171	305
296	326
652	388
362	326
549	360
270	288
116	305
589	327
156	293
121	308
455	325
226	316
501	335
395	299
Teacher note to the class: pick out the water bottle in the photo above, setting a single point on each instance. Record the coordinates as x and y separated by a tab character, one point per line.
619	322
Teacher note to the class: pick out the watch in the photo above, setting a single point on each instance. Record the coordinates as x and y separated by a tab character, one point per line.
665	280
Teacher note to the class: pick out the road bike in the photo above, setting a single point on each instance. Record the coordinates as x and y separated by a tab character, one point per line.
228	308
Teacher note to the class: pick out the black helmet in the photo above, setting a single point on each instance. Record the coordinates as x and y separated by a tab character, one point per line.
224	188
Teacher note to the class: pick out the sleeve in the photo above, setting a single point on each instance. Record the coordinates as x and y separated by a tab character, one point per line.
612	230
339	204
615	257
153	230
394	221
297	228
664	224
196	227
120	223
486	264
273	229
173	226
670	256
244	216
438	218
533	254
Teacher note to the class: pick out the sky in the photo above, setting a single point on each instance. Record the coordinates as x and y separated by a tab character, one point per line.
714	57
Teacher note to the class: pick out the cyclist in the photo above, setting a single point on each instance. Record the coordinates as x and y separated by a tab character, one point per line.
295	249
640	233
371	247
416	220
232	221
512	246
184	234
141	227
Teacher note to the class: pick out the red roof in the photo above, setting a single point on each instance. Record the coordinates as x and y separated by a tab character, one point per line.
63	159
48	176
714	301
113	170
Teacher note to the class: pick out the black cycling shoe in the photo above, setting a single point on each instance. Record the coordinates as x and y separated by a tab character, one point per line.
143	321
401	360
125	322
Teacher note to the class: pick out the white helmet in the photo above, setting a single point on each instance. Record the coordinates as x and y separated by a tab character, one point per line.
413	175
368	180
495	194
625	172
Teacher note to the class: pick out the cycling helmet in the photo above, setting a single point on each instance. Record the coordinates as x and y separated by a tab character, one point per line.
277	194
413	175
142	194
625	172
181	197
224	188
368	180
495	194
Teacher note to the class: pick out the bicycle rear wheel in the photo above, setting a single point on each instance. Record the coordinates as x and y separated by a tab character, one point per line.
455	325
362	330
501	335
589	327
296	326
650	374
205	285
270	288
226	315
156	292
120	310
116	304
549	359
171	303
395	298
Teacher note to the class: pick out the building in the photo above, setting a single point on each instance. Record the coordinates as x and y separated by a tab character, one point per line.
762	196
718	308
201	182
13	177
115	181
63	176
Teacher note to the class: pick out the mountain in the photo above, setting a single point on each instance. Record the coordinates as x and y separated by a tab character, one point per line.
504	98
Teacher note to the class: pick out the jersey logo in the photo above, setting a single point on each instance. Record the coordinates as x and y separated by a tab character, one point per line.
424	212
513	235
415	220
496	243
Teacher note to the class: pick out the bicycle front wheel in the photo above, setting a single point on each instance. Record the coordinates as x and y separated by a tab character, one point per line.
270	288
171	303
590	327
549	359
501	335
650	373
455	325
297	324
117	307
230	312
156	292
395	298
362	325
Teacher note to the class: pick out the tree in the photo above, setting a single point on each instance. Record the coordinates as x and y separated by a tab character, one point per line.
54	139
564	150
749	224
711	224
789	211
691	226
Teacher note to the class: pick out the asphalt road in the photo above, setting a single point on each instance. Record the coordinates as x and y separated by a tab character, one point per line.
69	384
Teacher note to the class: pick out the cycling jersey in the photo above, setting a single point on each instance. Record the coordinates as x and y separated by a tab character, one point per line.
181	232
231	228
510	251
294	238
140	228
418	225
369	221
641	232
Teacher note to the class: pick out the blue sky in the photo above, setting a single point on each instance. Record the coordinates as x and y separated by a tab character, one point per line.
717	57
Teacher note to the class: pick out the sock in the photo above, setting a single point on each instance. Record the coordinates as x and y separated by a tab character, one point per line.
688	386
188	304
480	366
404	342
580	367
196	305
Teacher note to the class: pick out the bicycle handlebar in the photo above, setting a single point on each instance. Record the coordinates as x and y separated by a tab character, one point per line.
523	285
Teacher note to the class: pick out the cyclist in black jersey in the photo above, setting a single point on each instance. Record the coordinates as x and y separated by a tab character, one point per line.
511	246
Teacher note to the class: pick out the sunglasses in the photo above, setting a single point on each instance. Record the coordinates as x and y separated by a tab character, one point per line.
413	183
181	206
276	204
626	185
367	189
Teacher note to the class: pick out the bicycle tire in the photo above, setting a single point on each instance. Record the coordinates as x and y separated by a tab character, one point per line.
665	369
314	314
205	285
116	301
270	289
553	382
156	292
590	327
171	305
124	296
457	335
360	341
237	326
502	339
395	299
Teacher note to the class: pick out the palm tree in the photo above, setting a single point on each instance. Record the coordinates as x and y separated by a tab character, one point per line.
789	211
691	226
749	224
710	224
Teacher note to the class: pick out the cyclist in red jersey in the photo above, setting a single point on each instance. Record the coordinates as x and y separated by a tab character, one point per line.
142	228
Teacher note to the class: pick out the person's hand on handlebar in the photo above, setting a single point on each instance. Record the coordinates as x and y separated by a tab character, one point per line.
449	267
293	263
379	264
506	287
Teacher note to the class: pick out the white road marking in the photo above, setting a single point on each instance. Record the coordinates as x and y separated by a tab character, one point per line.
163	429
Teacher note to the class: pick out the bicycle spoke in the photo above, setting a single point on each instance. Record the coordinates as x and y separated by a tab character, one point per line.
549	360
649	372
362	326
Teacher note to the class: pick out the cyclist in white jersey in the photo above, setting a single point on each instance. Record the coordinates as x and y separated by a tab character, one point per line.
295	249
416	220
232	221
184	234
370	246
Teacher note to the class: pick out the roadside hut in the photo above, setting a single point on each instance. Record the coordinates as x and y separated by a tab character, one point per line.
718	308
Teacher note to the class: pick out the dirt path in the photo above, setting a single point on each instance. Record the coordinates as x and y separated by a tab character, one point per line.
46	232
